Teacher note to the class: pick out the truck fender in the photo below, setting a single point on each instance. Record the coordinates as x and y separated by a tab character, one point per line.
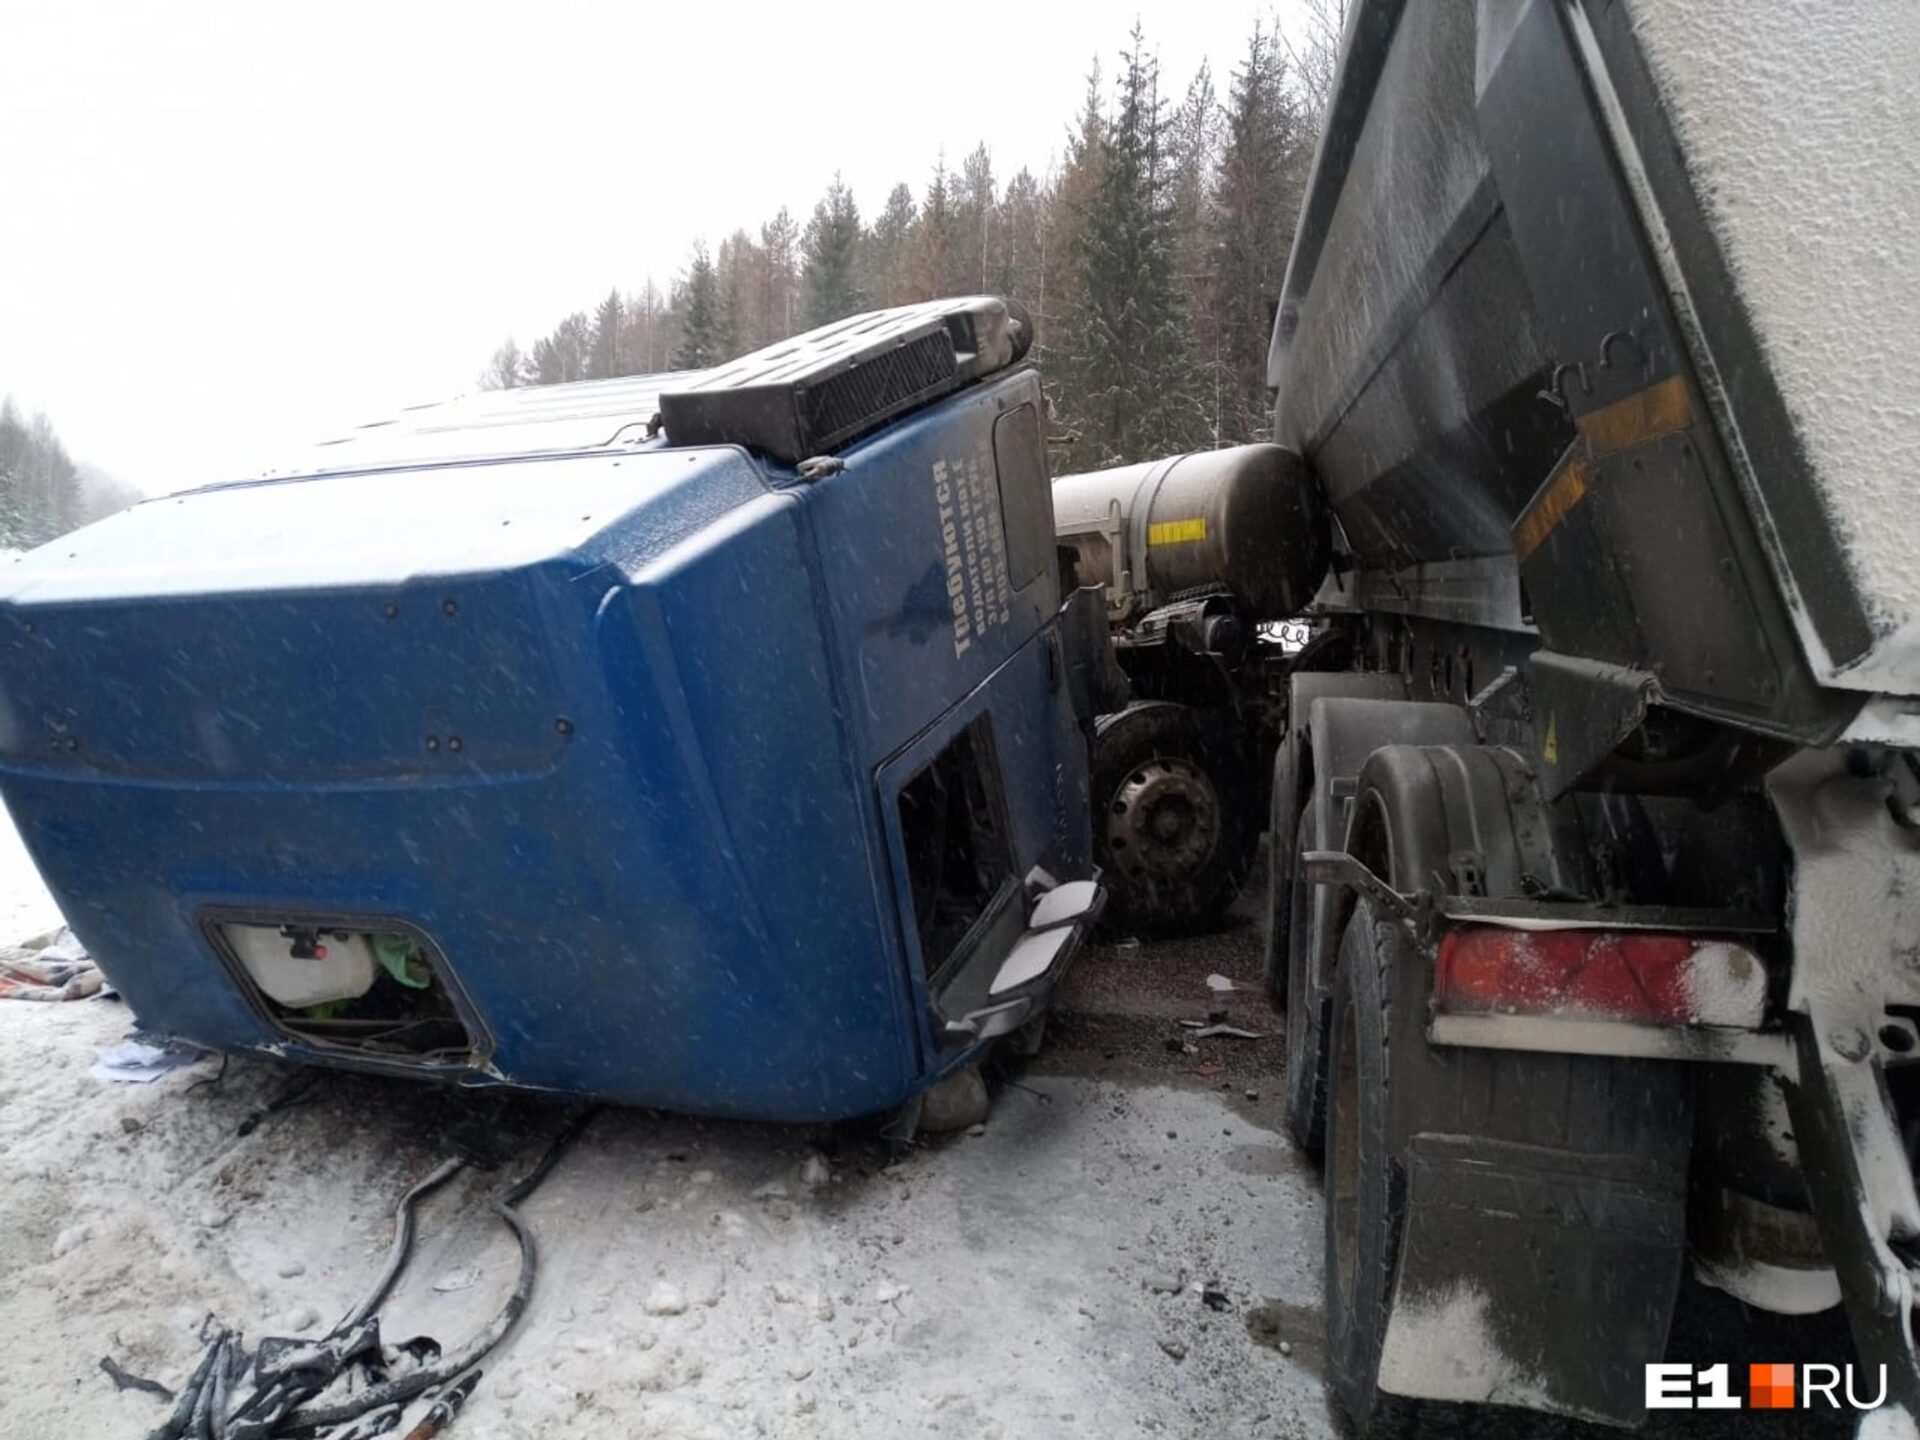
1293	771
1342	734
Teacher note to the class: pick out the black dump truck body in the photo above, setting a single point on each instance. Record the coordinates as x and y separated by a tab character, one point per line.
1594	808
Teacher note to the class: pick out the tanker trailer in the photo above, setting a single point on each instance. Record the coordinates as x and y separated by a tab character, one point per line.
1598	841
1200	556
704	741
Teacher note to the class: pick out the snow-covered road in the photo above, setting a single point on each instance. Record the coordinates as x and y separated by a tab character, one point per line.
25	907
1041	1278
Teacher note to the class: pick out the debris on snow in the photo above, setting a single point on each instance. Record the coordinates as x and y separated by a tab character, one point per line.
1202	1030
133	1062
54	967
665	1298
465	1278
958	1101
297	1321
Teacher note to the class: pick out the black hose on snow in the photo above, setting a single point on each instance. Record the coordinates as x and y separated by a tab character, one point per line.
204	1409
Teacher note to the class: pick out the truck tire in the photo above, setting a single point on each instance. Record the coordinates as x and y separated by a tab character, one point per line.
1171	828
1365	1193
1306	1003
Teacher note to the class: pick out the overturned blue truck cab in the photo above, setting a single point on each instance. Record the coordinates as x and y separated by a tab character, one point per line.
704	741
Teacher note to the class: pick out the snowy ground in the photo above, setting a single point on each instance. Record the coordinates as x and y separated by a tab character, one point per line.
1030	1280
26	909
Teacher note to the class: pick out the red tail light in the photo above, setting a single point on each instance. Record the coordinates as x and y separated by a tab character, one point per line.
1599	974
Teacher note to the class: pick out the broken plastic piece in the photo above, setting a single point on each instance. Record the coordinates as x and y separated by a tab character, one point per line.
401	959
1205	1031
1030	958
1065	903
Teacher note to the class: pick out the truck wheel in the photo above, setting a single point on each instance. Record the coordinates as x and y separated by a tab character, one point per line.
1365	1193
1306	1002
1170	820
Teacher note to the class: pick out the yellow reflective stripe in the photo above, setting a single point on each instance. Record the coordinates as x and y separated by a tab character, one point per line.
1563	492
1174	532
1644	415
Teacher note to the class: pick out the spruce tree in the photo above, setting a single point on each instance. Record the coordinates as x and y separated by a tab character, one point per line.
933	261
1014	266
1257	193
1193	143
561	357
973	216
887	254
733	276
1139	391
603	350
830	257
779	276
1059	307
15	525
643	342
700	316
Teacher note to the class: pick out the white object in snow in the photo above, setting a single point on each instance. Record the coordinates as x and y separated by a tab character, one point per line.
344	972
134	1063
665	1298
1220	984
65	946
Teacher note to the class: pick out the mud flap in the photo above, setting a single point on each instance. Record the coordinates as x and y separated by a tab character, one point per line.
1533	1276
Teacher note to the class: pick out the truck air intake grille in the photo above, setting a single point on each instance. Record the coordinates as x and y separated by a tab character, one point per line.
858	398
812	394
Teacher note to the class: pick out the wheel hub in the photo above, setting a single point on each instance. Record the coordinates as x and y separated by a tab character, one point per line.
1164	822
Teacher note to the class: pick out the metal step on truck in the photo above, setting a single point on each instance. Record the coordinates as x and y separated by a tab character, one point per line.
1594	809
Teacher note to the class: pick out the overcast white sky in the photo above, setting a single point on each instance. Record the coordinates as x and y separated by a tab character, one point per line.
229	229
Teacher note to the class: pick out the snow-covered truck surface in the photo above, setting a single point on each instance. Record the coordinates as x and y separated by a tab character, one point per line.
1596	819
